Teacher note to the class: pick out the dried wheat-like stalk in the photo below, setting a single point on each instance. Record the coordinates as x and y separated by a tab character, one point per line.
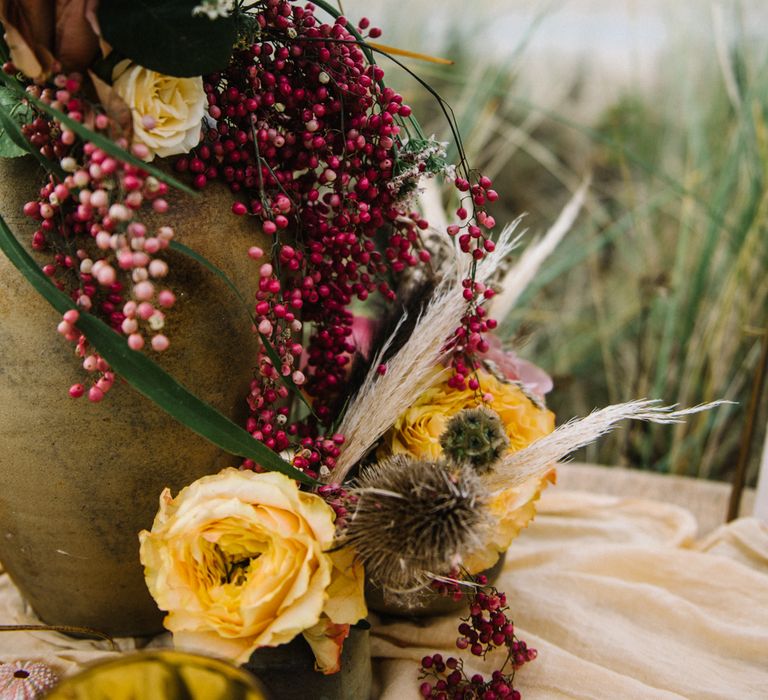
522	273
411	371
381	399
537	459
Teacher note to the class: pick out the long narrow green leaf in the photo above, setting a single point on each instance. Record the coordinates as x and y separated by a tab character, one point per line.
147	377
101	141
268	347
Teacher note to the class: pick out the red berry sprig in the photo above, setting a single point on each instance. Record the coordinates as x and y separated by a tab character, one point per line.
486	628
306	136
342	502
476	223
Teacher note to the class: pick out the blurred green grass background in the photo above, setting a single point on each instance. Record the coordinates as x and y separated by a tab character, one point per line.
660	290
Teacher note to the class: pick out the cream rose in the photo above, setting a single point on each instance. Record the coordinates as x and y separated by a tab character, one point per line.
239	561
167	111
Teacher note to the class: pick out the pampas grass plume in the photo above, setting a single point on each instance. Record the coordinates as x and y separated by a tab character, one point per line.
537	459
411	371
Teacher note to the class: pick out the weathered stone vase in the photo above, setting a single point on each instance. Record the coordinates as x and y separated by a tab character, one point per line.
79	480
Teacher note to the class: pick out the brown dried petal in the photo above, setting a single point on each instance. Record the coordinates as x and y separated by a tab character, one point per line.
29	34
121	120
91	6
33	19
24	58
41	32
76	44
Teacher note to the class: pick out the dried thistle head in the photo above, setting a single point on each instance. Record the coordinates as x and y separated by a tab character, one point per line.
415	519
475	436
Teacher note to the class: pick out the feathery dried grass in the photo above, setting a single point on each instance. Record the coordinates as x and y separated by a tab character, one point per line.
522	273
537	459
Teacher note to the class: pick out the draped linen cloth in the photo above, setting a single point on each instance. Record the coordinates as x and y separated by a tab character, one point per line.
616	595
620	603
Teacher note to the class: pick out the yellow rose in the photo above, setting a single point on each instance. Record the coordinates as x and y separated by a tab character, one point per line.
239	561
417	432
167	112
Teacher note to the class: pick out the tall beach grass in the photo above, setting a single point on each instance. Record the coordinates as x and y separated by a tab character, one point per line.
661	289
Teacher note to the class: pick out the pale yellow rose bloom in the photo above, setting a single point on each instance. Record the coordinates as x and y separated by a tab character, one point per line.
418	430
239	560
166	111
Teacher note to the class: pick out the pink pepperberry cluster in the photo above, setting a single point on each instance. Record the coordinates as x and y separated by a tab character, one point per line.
476	224
305	135
95	365
318	454
278	325
89	224
452	683
487	628
451	586
340	500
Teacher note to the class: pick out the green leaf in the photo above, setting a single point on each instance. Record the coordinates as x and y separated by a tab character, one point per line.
147	377
84	132
166	37
268	347
12	141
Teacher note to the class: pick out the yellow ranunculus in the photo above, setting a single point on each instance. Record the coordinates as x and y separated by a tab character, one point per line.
167	111
417	432
239	561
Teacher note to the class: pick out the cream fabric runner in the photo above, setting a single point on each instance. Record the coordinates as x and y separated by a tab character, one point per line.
619	600
620	605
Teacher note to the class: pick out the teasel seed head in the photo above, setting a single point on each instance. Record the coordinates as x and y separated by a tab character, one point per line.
415	520
475	436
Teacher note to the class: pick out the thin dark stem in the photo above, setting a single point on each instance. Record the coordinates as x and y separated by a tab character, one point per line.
65	629
748	434
262	193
